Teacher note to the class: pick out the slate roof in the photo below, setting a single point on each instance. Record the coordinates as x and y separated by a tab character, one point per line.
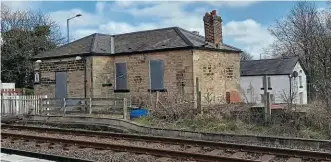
268	66
149	40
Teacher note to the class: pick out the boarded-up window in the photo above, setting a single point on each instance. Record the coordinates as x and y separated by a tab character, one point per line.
121	76
157	74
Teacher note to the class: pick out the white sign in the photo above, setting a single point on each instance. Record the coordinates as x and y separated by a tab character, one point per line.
37	77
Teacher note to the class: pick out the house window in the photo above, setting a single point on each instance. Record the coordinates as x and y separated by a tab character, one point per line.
300	81
269	83
156	75
121	76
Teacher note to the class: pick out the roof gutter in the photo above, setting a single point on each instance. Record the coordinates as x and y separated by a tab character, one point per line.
134	52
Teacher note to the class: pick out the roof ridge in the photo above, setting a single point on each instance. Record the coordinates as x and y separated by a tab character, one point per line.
93	43
184	38
271	59
191	32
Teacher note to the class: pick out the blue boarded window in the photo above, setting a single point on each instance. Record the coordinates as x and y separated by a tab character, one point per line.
121	76
156	74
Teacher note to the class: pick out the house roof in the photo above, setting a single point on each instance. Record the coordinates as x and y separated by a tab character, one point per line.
149	40
268	66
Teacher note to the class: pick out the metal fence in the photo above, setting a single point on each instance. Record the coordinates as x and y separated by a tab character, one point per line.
20	104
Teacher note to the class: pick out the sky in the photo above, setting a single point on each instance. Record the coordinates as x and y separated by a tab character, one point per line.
245	23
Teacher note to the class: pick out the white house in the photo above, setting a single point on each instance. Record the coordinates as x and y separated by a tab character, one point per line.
279	74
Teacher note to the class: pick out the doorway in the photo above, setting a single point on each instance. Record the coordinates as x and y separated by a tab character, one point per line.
61	85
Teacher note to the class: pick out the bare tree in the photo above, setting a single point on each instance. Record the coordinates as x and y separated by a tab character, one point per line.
245	56
25	34
306	33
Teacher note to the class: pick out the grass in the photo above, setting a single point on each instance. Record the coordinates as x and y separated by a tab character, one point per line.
217	125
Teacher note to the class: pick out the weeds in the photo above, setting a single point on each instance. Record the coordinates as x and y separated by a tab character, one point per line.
220	119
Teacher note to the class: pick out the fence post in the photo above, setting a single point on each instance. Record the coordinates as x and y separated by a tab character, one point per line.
268	107
198	92
10	105
64	106
90	110
157	100
125	109
40	102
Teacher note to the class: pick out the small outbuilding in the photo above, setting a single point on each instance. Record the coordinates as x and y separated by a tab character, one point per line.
280	80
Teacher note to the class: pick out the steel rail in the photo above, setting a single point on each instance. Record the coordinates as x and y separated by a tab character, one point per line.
242	147
132	149
41	155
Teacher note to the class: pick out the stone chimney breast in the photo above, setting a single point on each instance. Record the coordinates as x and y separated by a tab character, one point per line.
213	28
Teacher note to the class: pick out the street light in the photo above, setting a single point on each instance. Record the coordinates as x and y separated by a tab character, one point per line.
78	15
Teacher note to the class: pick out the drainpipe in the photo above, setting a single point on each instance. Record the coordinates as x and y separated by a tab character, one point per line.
85	80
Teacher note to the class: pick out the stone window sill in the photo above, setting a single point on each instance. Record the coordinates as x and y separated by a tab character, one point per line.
121	90
157	90
268	88
107	85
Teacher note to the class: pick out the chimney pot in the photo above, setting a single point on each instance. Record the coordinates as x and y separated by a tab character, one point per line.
214	12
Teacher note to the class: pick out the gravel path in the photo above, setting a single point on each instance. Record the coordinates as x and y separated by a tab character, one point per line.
87	153
102	140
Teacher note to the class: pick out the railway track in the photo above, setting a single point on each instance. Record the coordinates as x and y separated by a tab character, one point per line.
174	148
41	156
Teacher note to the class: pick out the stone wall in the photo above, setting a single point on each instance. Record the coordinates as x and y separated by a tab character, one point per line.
218	73
75	76
178	74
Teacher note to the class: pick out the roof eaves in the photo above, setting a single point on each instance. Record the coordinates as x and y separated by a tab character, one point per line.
216	49
264	74
115	54
235	48
187	41
60	56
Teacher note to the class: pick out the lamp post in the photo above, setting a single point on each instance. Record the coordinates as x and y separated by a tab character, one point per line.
78	15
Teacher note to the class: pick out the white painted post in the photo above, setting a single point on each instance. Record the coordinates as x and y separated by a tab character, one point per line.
125	109
90	110
64	106
47	103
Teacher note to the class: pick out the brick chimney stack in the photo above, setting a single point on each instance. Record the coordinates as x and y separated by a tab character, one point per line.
213	28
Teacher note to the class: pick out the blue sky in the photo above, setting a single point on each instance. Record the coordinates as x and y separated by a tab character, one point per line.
245	23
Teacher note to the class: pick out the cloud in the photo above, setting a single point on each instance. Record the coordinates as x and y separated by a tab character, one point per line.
87	19
249	34
113	27
231	3
22	5
160	10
